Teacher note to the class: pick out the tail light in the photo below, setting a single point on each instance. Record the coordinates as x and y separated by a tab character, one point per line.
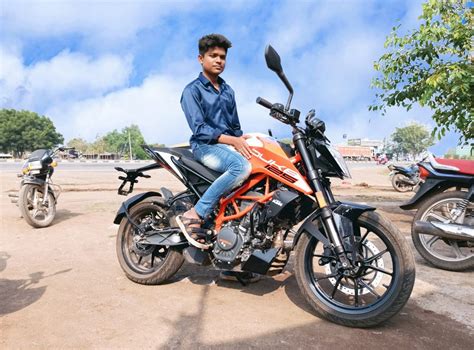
424	173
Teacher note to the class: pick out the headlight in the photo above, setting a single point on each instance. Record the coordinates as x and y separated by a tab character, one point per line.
36	165
340	161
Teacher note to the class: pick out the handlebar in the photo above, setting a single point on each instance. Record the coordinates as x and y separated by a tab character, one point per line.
277	111
264	103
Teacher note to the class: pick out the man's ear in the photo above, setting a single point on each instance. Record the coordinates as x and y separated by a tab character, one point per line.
200	58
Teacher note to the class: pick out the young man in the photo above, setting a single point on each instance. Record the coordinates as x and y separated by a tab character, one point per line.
209	105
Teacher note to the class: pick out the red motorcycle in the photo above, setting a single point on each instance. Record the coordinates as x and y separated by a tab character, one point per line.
443	227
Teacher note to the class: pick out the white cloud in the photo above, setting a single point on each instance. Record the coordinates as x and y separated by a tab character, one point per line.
153	106
102	23
67	76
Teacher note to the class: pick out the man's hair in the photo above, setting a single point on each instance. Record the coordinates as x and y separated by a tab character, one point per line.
212	40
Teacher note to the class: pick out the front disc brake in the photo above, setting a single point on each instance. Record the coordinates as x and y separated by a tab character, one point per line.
372	279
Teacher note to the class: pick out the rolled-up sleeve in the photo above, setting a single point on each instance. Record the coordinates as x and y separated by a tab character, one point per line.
196	119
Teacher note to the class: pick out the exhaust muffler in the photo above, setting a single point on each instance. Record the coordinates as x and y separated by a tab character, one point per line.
449	231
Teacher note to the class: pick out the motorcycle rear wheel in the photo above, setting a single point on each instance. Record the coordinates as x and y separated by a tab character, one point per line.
146	264
378	292
30	202
448	255
399	183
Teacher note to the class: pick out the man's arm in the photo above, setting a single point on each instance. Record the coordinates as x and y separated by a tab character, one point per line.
238	142
195	116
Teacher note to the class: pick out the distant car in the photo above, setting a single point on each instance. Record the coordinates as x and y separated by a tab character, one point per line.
73	154
5	156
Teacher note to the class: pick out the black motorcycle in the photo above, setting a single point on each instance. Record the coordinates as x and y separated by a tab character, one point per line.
352	265
38	195
404	179
443	227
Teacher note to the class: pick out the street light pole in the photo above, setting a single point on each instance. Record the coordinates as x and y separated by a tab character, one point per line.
130	145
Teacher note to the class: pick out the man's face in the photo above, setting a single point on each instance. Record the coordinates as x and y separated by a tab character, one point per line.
213	61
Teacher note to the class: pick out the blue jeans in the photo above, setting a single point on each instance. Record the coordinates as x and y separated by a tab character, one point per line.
222	158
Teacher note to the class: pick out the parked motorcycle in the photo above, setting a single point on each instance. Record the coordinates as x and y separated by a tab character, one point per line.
38	195
443	227
352	265
404	179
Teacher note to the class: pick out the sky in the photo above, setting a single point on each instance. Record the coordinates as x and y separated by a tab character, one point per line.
96	66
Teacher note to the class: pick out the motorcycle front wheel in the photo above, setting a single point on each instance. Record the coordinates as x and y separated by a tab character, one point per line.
36	213
452	255
375	293
146	264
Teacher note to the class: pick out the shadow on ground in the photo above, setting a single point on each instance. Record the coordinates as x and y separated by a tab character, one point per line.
64	215
412	323
18	294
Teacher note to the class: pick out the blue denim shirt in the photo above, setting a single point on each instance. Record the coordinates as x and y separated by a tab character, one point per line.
210	112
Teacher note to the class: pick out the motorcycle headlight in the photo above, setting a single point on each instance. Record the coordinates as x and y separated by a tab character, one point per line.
36	165
340	161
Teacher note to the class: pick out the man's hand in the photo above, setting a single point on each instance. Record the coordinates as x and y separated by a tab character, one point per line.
238	143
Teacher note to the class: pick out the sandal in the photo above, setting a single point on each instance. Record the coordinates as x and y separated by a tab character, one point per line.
195	235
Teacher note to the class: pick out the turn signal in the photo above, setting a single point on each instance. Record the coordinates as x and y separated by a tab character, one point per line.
424	173
54	164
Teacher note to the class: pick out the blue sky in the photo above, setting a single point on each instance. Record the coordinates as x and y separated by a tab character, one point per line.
95	66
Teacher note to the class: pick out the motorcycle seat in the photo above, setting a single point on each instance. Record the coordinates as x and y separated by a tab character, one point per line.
186	156
464	166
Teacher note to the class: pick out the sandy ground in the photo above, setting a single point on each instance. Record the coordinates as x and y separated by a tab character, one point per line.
62	287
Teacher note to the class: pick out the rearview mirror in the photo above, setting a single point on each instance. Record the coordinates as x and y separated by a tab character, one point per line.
273	60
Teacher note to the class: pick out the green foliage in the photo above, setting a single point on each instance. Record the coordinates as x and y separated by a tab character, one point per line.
79	144
432	66
22	131
118	142
412	139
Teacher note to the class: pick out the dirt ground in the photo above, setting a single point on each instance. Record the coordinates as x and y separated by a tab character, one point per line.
62	287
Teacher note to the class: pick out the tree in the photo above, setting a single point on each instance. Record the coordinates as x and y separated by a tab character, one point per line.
22	131
79	144
432	66
412	139
119	142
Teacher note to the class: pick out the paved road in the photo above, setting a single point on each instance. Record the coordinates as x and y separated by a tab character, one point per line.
11	166
77	166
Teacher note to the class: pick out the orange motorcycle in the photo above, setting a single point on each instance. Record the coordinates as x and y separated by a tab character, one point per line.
353	266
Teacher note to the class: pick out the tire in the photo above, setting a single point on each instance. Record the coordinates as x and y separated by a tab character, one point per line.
398	181
30	196
338	307
440	255
171	258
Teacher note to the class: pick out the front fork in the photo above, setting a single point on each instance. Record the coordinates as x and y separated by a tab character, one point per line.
45	190
324	199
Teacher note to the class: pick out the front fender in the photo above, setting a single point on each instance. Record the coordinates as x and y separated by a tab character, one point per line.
349	210
37	182
131	202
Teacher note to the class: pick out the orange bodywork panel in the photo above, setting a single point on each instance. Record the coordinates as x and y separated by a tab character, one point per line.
268	160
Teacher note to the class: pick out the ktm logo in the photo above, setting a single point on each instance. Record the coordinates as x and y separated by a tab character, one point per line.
280	170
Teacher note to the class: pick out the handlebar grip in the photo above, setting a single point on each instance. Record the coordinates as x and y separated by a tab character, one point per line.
264	103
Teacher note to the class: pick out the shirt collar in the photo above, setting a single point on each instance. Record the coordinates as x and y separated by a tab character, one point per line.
206	81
